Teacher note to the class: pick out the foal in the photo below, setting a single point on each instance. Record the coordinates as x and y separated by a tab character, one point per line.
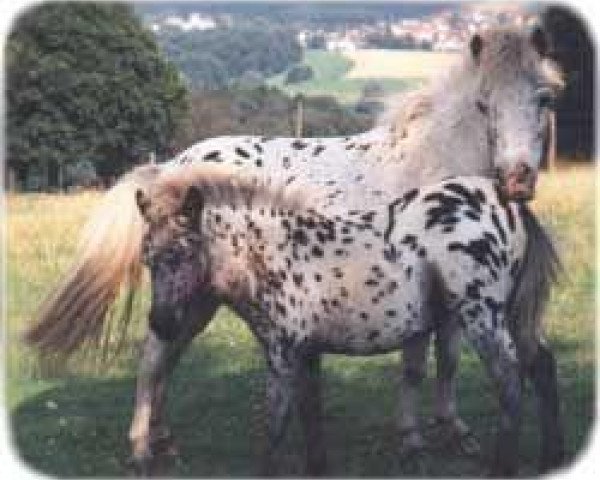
307	284
358	283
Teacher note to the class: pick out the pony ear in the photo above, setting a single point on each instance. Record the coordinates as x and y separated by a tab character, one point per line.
193	204
476	46
143	202
539	40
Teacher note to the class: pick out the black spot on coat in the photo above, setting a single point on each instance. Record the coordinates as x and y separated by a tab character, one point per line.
241	152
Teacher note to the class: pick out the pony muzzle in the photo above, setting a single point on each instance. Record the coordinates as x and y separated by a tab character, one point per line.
519	183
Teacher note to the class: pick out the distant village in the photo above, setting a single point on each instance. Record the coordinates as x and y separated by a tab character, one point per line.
446	30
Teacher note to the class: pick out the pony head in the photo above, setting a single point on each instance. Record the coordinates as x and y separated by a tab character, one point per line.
516	85
173	250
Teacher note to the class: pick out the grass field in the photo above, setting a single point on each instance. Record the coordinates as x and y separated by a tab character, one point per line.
399	64
331	77
71	418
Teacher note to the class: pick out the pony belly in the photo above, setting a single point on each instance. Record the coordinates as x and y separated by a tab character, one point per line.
369	332
371	342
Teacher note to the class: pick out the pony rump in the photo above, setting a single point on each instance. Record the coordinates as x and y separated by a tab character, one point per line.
107	257
540	270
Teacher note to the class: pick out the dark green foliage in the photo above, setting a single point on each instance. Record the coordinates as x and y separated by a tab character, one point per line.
573	49
266	111
218	58
389	41
373	89
299	73
371	100
316	42
85	81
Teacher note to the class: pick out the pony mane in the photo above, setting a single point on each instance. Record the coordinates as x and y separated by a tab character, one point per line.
221	185
507	52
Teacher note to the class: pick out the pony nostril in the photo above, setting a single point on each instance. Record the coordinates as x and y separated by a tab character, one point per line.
523	170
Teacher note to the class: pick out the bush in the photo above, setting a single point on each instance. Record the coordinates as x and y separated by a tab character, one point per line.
299	73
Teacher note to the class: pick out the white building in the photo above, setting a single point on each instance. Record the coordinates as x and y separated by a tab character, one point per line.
340	45
195	21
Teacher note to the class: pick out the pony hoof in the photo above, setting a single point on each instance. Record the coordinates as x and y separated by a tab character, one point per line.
501	472
412	444
414	460
141	466
453	433
165	445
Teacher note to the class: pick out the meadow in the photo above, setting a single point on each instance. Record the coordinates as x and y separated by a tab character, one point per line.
71	417
335	75
374	63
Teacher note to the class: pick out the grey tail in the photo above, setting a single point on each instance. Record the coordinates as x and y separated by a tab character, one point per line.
538	273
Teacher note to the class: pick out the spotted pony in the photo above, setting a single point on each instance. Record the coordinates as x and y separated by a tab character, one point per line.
307	283
490	114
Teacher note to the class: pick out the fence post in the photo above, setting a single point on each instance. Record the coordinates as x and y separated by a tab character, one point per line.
299	116
552	142
11	179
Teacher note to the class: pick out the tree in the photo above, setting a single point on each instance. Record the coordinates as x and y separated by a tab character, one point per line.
299	73
228	55
85	81
573	49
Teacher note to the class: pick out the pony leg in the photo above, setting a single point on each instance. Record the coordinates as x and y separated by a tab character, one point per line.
414	359
159	357
153	361
496	349
310	407
280	385
542	372
198	316
447	425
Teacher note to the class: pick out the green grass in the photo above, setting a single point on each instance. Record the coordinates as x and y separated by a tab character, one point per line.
71	419
330	79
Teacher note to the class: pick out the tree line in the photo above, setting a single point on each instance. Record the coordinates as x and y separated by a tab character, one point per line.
91	92
226	56
266	111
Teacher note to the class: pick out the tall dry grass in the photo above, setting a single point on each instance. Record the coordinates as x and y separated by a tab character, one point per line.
400	64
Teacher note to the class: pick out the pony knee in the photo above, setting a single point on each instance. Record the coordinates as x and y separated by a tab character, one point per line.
542	368
413	375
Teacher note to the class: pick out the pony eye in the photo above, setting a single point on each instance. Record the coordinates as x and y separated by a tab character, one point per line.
184	242
182	220
545	98
482	106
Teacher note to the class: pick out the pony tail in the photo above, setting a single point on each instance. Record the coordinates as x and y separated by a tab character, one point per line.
107	257
539	272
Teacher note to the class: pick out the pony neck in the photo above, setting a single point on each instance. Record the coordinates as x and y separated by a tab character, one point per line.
441	132
241	240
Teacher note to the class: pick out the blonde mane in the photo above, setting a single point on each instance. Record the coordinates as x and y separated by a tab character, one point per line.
221	185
